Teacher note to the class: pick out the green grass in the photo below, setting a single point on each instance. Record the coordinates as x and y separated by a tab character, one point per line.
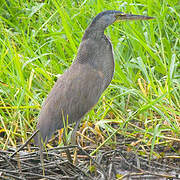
39	40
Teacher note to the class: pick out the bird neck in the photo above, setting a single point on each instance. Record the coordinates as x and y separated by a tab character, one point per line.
94	33
92	50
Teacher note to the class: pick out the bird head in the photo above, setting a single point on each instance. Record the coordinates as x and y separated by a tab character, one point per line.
106	18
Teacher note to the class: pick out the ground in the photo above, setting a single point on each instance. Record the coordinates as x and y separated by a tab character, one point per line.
117	161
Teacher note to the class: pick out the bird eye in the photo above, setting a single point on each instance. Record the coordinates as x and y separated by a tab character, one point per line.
119	15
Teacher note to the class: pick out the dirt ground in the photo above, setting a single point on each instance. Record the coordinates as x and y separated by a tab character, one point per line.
120	161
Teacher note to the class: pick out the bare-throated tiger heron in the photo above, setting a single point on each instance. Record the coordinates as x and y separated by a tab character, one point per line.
80	87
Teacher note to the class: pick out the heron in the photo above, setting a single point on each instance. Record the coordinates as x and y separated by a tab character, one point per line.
79	88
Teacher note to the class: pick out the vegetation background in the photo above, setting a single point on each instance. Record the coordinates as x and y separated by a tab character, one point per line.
40	39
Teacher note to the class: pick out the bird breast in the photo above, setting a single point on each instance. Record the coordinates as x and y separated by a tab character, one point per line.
99	54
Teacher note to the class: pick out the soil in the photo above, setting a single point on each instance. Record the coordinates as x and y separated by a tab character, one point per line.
124	160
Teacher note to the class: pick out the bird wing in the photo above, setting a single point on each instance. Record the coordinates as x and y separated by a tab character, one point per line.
73	95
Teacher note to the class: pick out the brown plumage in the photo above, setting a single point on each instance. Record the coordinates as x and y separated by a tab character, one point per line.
80	87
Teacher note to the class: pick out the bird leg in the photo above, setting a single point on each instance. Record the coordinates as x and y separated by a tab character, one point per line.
73	141
41	153
73	135
65	144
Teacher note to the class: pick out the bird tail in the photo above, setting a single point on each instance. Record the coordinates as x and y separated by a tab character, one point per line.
40	139
36	139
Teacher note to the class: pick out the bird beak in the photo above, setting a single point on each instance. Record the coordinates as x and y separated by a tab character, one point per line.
121	17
